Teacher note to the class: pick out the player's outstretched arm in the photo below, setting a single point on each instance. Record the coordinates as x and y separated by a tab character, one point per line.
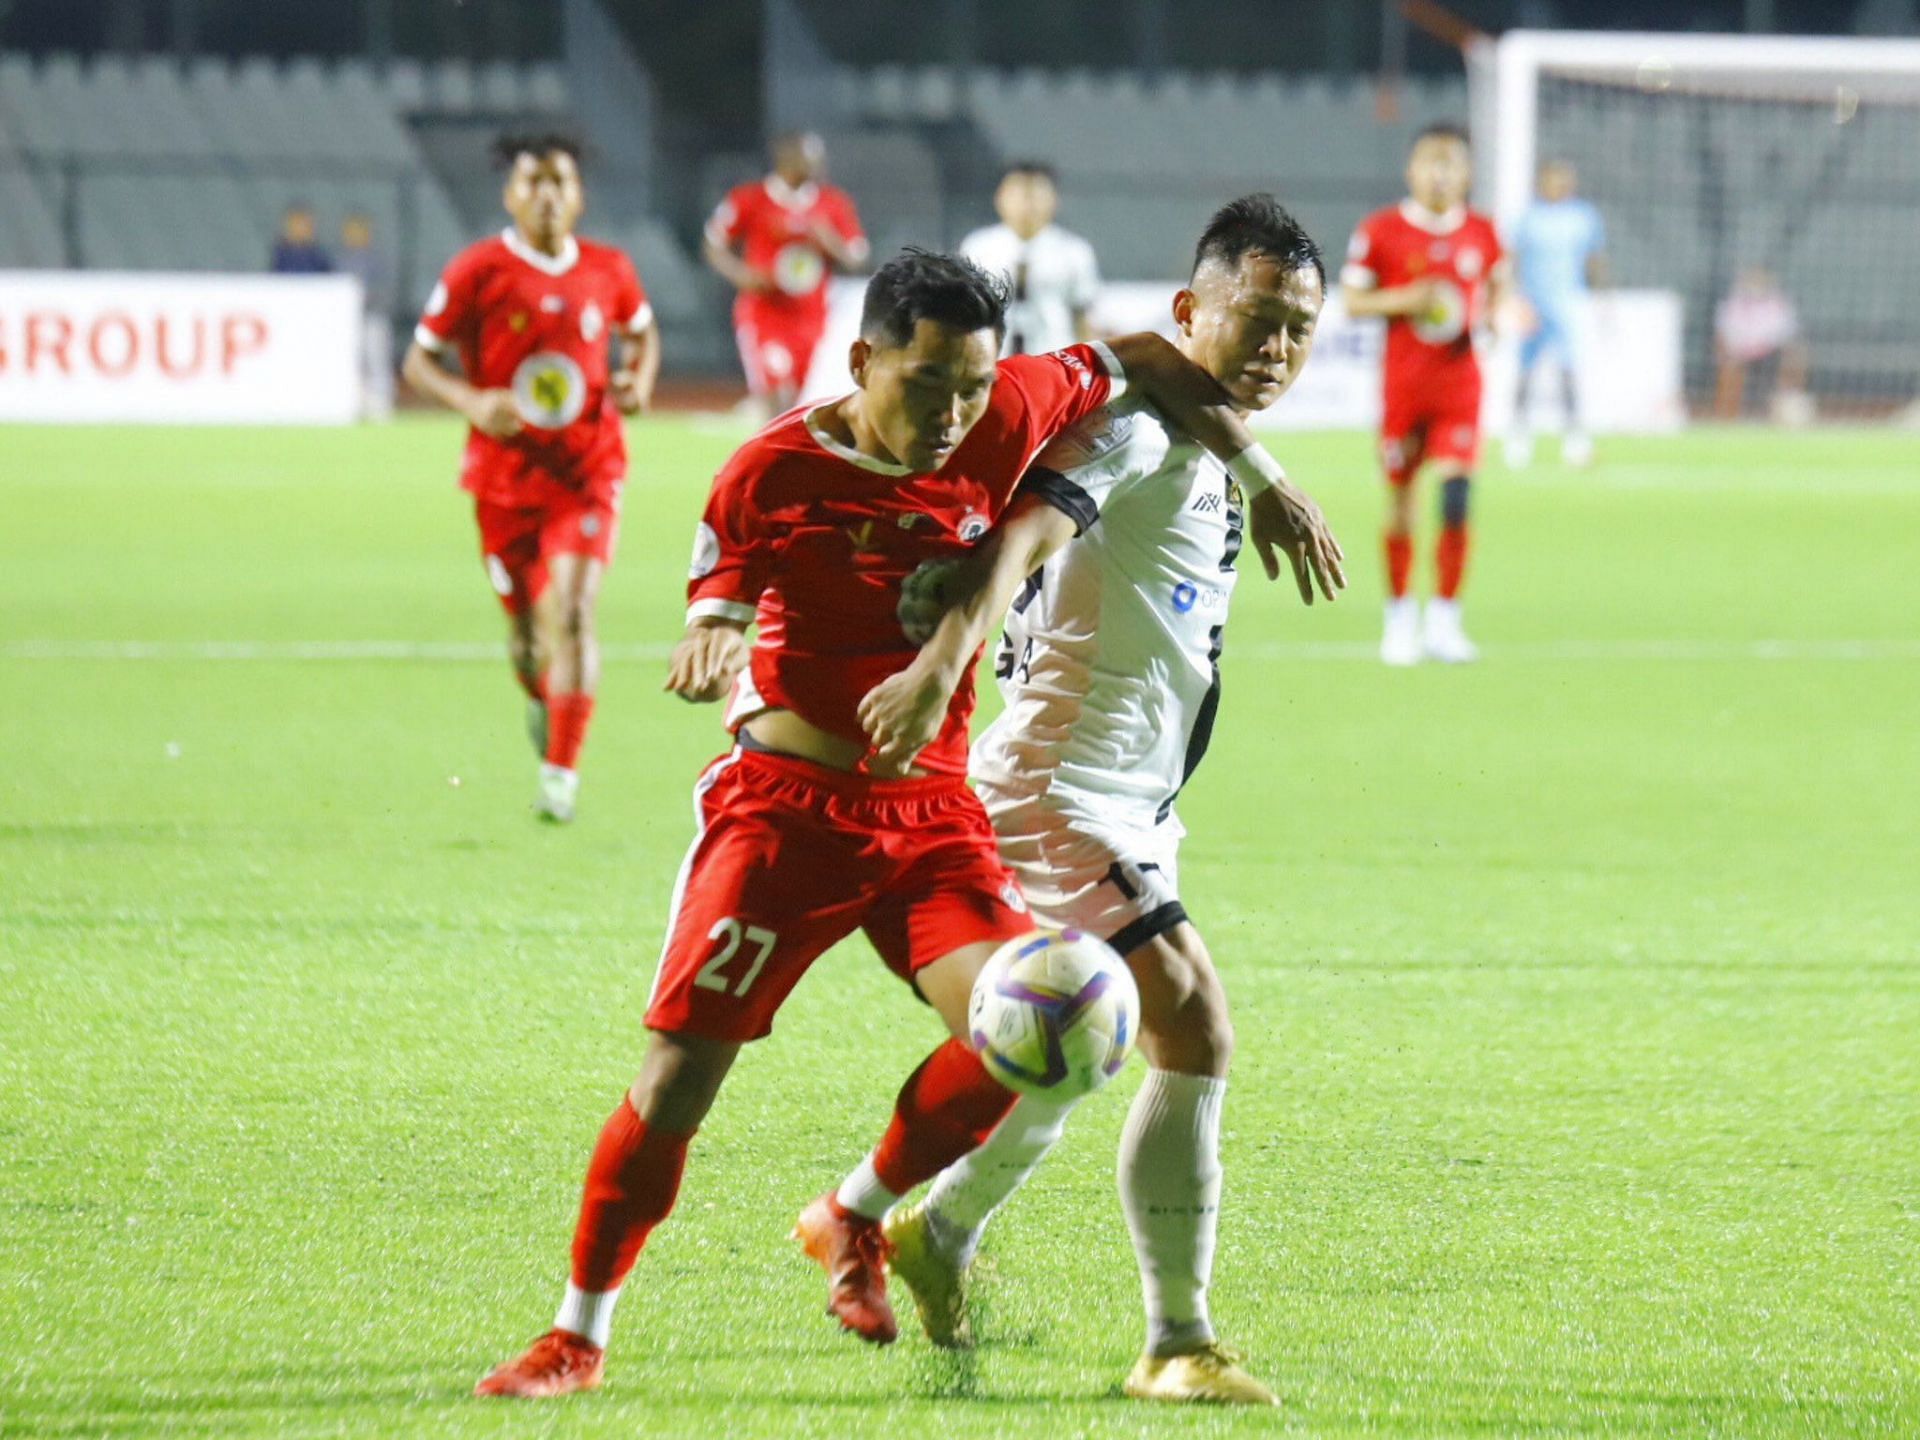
1193	400
703	665
725	262
1392	303
903	714
491	412
633	381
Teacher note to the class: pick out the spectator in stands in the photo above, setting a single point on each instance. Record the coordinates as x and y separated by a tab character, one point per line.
359	256
1757	328
1050	272
298	250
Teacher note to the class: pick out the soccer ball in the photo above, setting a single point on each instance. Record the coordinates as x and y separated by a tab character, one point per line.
1054	1013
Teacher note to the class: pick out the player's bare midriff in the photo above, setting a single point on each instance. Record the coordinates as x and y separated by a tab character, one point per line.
788	734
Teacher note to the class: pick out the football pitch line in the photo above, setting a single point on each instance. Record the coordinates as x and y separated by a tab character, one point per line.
468	652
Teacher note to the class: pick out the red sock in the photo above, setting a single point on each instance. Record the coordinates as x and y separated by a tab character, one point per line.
534	685
1399	564
1449	561
631	1184
946	1108
567	717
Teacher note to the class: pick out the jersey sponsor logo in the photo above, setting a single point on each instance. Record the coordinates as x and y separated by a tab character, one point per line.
549	390
706	552
798	269
593	322
1471	263
1209	502
551	305
1185	594
972	526
1446	319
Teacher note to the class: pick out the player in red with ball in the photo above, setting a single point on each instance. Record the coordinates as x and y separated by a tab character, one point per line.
777	241
1435	270
806	832
530	315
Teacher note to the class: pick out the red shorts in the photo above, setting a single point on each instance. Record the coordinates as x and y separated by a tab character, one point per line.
791	858
776	346
516	542
1428	422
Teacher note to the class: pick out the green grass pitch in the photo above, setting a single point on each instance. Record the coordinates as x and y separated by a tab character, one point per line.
1578	992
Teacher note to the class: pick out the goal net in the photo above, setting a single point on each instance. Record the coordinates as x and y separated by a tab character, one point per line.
1772	183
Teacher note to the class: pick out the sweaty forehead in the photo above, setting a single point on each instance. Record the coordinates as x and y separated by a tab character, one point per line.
943	351
1259	281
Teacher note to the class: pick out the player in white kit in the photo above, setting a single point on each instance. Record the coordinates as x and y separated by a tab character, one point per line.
1110	671
1052	277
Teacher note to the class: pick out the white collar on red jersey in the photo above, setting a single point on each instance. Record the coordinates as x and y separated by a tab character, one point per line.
1420	217
793	197
846	452
559	264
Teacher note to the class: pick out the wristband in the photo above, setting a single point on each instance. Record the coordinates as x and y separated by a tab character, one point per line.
1256	470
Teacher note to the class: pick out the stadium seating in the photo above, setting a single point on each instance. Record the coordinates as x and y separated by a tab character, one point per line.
190	168
1143	162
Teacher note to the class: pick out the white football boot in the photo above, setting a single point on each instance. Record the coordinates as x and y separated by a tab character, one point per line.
1577	449
559	789
1519	450
1444	638
1400	640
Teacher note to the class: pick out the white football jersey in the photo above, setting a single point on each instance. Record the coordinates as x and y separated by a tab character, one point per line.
1110	661
1049	277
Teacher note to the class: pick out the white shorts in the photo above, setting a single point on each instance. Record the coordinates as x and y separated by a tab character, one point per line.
1117	881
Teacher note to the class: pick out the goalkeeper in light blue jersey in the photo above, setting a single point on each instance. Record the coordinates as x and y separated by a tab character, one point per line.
1559	248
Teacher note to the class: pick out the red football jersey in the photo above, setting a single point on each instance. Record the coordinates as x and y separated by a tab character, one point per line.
772	223
812	540
1406	243
538	325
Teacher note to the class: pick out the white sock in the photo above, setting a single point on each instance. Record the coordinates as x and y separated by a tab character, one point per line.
862	1192
966	1193
588	1313
1170	1189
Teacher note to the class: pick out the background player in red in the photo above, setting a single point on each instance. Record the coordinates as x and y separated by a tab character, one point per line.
1428	266
530	314
777	241
805	833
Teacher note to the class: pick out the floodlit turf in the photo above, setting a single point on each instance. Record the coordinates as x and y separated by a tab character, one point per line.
1578	993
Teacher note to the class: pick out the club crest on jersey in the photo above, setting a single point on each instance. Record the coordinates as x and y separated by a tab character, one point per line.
519	321
706	552
972	526
549	390
592	322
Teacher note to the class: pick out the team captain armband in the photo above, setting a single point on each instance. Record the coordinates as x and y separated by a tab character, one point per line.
1256	470
1064	495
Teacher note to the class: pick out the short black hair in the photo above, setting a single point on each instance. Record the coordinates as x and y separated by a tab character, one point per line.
1258	224
1030	167
921	285
509	147
1443	130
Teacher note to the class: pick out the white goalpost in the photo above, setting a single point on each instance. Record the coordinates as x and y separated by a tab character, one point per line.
1771	183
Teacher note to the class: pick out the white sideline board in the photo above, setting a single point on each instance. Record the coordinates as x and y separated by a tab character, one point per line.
111	347
1632	375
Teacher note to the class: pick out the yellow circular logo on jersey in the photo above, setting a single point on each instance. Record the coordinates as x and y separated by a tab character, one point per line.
1446	319
798	269
549	390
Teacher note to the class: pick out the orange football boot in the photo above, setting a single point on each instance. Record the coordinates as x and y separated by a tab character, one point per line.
853	1252
558	1363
